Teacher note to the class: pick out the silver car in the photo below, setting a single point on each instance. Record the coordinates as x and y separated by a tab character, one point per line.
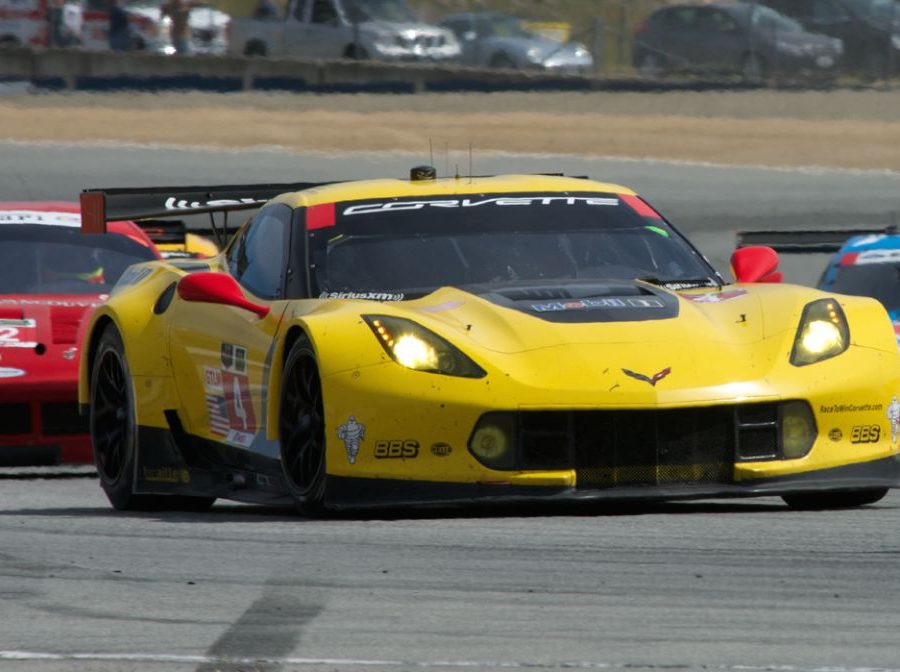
495	40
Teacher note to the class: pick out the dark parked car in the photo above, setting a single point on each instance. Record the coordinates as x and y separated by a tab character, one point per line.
870	29
753	40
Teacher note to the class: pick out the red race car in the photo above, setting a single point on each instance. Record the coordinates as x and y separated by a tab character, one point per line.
51	276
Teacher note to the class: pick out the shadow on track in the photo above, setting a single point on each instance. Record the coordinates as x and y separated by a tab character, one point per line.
229	512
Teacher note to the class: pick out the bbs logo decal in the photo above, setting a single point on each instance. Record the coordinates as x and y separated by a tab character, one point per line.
396	449
865	434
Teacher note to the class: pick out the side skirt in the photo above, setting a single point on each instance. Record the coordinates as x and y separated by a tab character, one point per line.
172	462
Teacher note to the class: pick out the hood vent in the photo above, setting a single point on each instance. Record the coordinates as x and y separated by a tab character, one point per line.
536	294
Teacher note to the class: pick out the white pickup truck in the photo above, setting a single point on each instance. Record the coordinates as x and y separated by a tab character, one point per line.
386	30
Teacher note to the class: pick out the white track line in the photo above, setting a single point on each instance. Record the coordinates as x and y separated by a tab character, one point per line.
278	149
425	664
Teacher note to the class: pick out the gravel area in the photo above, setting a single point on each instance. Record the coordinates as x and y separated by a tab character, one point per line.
848	129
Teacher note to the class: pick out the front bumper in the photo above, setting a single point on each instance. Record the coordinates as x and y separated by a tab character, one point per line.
363	493
411	432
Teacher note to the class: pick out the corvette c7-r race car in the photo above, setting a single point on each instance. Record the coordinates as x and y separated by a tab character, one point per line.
51	276
496	339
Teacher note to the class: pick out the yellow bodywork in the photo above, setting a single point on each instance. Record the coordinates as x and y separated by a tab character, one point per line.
727	352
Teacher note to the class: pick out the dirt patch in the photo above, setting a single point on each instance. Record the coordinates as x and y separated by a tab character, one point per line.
841	129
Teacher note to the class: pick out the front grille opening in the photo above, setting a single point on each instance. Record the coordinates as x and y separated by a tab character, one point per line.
758	443
649	447
15	419
751	414
60	419
545	439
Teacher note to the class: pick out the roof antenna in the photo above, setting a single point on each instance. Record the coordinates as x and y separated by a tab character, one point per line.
457	171
447	158
430	153
470	162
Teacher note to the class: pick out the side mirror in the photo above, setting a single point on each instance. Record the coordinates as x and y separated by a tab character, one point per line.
755	264
217	288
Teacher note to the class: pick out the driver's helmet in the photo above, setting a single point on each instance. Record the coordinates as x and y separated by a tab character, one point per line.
72	263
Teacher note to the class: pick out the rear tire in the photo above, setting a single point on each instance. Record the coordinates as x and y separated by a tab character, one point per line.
835	500
301	429
114	435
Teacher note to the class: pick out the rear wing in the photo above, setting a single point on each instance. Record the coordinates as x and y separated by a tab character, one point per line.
150	204
806	241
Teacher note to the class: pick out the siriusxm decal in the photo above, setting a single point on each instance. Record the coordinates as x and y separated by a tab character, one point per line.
592	304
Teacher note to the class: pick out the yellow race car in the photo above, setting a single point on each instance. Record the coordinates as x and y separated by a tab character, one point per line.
475	339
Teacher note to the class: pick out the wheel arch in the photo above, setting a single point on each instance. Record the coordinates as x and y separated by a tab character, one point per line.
294	333
90	343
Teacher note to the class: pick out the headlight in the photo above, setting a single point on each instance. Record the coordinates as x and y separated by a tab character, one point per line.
415	347
823	333
798	429
895	40
494	439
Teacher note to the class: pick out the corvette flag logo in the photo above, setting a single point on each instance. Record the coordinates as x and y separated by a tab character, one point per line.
652	380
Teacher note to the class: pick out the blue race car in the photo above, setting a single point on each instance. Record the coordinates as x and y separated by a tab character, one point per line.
866	262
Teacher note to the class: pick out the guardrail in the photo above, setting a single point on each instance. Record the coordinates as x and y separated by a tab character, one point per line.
77	70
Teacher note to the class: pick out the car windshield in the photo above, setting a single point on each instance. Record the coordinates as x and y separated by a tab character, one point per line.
880	281
502	26
394	11
403	248
767	19
41	259
879	11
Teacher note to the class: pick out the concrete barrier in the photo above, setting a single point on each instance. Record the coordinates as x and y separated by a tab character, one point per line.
72	69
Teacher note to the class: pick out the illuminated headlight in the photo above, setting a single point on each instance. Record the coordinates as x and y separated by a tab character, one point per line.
493	441
823	333
415	347
798	429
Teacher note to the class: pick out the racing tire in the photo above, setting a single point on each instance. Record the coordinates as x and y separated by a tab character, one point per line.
753	68
114	435
835	500
301	429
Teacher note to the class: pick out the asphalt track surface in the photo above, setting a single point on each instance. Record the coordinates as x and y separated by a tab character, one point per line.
723	586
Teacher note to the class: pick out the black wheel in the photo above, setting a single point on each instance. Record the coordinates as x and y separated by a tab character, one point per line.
835	500
503	61
301	428
753	68
114	434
